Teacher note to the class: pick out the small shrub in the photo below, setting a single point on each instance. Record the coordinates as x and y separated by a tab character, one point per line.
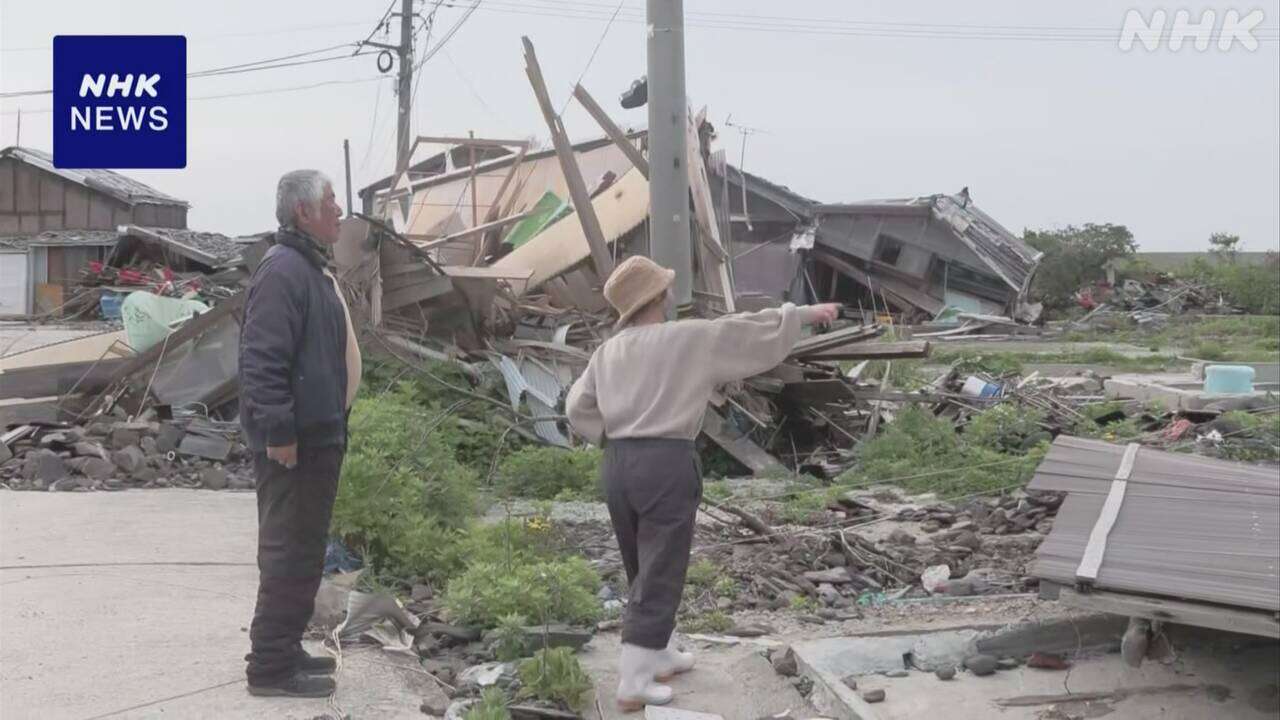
804	604
492	706
510	542
712	621
702	573
543	592
403	496
716	490
555	675
726	587
1007	428
548	473
510	642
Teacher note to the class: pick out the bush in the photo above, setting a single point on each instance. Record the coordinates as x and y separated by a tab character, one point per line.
548	473
1007	428
712	621
923	453
510	642
544	592
403	495
492	706
511	542
555	675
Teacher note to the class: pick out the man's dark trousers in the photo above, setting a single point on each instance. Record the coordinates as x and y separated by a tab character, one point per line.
294	509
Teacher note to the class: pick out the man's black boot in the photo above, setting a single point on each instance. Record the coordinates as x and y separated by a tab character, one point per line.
316	664
299	684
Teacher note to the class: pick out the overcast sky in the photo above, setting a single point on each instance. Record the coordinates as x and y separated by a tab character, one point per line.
853	100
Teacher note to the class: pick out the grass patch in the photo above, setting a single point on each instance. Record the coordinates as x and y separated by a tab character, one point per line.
555	675
712	621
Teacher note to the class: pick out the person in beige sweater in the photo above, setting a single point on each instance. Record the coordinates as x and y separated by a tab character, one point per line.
643	397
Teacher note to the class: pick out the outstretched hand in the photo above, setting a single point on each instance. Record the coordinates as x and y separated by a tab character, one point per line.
286	455
823	314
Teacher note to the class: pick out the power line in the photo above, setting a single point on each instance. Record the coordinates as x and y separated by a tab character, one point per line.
203	38
833	27
603	34
255	66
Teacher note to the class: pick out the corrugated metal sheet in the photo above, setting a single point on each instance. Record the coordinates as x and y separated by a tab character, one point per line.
1188	527
536	385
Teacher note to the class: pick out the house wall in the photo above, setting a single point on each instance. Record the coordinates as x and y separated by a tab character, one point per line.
33	200
762	258
926	245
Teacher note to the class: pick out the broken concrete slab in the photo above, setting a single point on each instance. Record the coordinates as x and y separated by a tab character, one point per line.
214	478
44	465
129	459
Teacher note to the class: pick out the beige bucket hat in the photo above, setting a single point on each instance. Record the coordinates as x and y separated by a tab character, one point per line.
633	284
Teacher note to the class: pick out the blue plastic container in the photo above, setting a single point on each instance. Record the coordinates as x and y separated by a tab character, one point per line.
1228	379
110	304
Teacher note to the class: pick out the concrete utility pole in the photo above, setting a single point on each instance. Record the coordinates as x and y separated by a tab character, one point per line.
405	93
668	120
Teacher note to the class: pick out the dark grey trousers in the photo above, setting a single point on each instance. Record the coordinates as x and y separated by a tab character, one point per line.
653	487
294	510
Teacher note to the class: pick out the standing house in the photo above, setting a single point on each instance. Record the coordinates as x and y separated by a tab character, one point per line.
54	221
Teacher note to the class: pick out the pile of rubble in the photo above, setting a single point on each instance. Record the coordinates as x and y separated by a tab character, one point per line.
115	455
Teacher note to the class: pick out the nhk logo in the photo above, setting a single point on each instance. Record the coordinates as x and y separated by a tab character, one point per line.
120	101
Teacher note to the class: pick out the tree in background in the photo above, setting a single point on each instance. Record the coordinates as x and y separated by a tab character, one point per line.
1253	287
1223	247
1075	257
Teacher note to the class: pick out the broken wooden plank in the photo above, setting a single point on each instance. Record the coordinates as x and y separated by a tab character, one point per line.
835	339
394	297
614	132
600	256
1179	612
738	445
711	252
563	245
874	351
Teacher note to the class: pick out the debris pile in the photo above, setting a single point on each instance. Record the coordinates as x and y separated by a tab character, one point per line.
1157	299
117	454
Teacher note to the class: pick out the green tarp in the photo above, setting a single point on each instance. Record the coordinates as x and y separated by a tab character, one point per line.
546	211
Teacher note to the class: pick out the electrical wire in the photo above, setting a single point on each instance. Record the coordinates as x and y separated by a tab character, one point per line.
255	66
603	34
834	27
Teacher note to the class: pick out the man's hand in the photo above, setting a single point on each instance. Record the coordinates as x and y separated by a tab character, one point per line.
286	455
824	314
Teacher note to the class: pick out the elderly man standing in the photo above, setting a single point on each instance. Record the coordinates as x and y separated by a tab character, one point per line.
299	372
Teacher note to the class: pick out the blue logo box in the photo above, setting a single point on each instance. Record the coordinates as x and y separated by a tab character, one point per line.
120	101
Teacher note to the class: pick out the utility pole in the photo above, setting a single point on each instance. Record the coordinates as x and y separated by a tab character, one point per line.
404	88
346	159
406	85
670	244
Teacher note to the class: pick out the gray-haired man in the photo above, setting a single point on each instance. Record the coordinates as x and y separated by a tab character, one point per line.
299	371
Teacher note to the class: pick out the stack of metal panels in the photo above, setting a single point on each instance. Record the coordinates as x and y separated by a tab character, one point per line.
1184	526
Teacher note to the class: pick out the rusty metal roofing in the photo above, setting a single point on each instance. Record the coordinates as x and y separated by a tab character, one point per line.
1004	253
1187	527
108	182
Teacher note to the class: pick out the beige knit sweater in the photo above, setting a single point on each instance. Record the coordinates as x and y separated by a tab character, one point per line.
654	381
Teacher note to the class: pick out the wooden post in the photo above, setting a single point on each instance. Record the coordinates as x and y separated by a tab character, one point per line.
614	132
600	256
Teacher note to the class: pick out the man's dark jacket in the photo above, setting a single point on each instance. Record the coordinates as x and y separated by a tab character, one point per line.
293	366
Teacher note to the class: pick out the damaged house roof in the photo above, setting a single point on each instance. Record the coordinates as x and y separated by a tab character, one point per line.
795	203
207	248
1004	253
120	187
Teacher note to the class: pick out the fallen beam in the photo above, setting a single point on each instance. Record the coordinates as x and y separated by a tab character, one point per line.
874	351
1178	612
611	129
600	256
